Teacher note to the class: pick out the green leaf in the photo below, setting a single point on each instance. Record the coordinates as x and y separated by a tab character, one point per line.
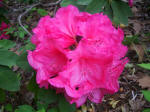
25	108
34	9
146	110
9	30
6	44
108	10
146	95
42	12
2	96
47	96
53	110
41	110
26	26
131	39
121	11
29	46
96	6
83	2
22	62
32	85
8	108
8	79
21	34
65	3
145	65
65	106
7	58
41	105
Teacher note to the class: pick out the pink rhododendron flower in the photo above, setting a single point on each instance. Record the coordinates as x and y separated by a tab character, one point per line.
130	3
3	34
79	54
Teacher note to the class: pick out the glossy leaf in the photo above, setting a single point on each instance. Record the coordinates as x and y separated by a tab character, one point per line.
146	110
25	108
41	105
65	3
32	86
29	46
96	6
65	106
8	108
22	62
53	110
145	65
2	96
146	95
41	110
83	2
47	96
9	80
7	58
6	44
121	11
108	10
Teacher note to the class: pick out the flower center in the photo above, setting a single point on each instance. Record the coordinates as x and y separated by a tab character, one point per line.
73	46
78	38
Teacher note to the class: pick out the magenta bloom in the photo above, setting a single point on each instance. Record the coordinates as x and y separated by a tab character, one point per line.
3	34
130	3
79	54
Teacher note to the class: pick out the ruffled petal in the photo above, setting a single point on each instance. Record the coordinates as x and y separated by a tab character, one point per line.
47	61
96	95
66	20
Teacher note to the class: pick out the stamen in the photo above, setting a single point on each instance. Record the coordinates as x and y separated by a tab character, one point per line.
77	88
78	38
72	47
53	76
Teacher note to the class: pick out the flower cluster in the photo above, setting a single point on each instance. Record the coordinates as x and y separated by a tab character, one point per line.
3	34
79	54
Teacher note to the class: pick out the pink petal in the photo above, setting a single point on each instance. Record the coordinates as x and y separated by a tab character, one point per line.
96	95
66	20
47	61
79	101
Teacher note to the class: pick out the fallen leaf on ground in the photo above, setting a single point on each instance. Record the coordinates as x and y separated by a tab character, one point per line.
144	82
84	108
137	27
136	104
125	108
139	50
113	103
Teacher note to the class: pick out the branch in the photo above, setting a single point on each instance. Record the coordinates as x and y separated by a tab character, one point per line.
51	4
29	8
21	15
